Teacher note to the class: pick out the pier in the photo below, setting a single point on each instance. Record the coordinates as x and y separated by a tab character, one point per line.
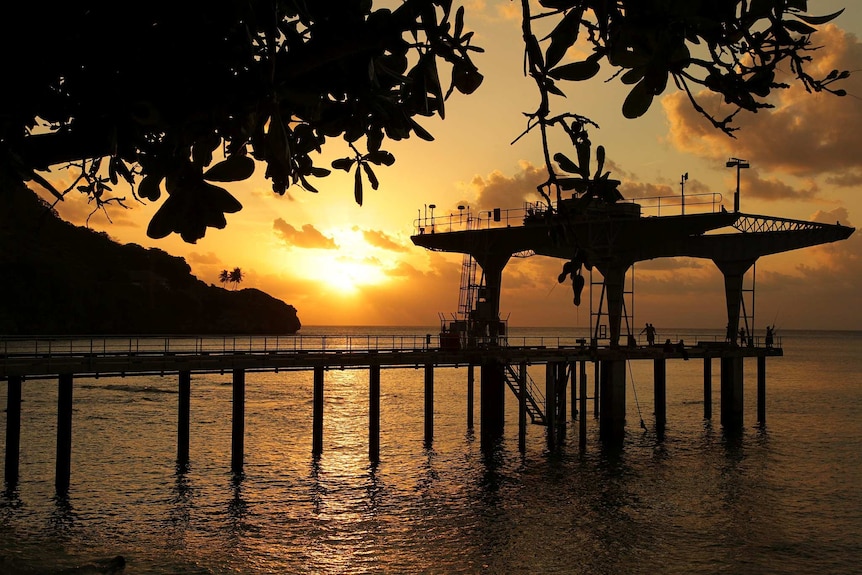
500	366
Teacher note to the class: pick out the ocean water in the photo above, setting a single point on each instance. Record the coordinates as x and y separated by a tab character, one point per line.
784	498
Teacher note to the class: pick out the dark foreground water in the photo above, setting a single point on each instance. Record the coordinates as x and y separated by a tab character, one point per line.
786	498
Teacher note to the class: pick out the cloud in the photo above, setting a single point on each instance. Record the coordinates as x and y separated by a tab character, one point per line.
308	237
207	259
383	241
773	189
804	135
496	190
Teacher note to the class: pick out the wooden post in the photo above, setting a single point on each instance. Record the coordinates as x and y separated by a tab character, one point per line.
471	378
583	413
761	389
317	413
429	404
238	431
660	391
551	403
183	419
707	387
64	434
374	414
522	407
13	430
573	367
562	381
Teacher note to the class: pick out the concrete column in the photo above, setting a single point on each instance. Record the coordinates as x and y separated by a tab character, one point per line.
731	392
551	403
615	279
488	312
317	413
660	391
491	403
707	387
612	420
597	373
429	404
13	430
471	378
734	272
374	413
573	368
64	434
522	406
562	383
237	443
183	418
761	390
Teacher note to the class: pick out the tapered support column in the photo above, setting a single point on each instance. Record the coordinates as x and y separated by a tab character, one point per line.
522	406
613	401
615	277
551	403
183	418
660	392
491	404
237	444
731	392
734	272
707	387
471	381
13	430
429	404
317	413
761	390
488	308
64	434
583	413
374	414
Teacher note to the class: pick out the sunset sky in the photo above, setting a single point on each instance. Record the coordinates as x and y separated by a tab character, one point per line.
342	264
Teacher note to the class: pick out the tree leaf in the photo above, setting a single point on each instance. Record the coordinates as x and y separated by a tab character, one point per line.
818	20
576	71
798	27
420	131
371	176
357	187
583	149
638	101
150	188
343	164
563	37
565	163
380	157
234	169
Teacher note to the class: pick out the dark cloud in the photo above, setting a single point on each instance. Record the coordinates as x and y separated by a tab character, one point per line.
496	190
308	237
803	135
773	189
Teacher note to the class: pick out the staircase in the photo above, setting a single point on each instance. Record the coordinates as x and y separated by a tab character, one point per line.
535	398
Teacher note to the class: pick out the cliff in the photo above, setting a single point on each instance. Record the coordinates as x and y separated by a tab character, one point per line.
60	279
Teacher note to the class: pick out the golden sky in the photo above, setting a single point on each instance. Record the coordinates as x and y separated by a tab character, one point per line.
342	264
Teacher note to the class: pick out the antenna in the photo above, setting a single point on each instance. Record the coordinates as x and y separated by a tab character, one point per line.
682	190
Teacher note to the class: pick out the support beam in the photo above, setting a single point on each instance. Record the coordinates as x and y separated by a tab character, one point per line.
731	393
707	387
63	469
183	418
573	368
317	413
471	380
374	413
734	273
761	390
237	443
429	404
491	403
613	401
615	280
551	403
522	406
660	392
13	430
561	387
583	414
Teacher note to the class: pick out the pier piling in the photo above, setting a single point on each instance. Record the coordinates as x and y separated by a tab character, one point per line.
63	469
731	392
491	403
13	430
707	387
238	425
761	390
183	418
317	413
612	419
660	392
374	413
429	404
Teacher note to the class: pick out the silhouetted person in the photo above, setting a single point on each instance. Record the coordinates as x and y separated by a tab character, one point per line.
650	334
680	347
729	336
742	336
770	333
668	346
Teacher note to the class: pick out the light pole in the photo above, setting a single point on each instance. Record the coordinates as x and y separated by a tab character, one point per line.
432	206
739	165
682	190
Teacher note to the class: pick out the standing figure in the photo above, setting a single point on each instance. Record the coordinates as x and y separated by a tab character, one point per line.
770	333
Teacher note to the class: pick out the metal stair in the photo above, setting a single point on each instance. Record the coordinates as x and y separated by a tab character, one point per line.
535	398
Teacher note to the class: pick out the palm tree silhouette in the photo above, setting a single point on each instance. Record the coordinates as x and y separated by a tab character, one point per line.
235	277
224	277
